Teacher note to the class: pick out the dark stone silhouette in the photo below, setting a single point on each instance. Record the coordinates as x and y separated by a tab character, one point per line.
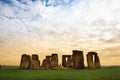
44	64
78	59
64	60
51	62
93	64
25	61
35	63
28	63
54	60
97	62
67	63
48	62
35	57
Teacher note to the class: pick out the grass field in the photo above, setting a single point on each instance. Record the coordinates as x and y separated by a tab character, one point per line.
14	73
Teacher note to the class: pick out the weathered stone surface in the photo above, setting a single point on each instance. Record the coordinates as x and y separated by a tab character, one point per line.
78	59
64	60
75	61
35	63
48	62
25	61
54	60
90	61
67	61
35	57
92	53
44	63
97	62
93	60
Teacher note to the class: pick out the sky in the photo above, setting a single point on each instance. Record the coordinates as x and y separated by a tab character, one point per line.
44	27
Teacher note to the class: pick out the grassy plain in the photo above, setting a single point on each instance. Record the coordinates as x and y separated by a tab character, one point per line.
105	73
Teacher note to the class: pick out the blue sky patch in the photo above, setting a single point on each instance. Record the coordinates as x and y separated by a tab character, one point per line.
45	2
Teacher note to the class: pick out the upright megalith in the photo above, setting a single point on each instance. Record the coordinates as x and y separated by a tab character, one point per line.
93	60
48	62
97	62
90	61
54	60
51	62
78	59
67	61
64	60
44	64
35	63
25	61
30	63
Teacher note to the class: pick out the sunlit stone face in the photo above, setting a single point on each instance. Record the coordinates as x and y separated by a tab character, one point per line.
60	26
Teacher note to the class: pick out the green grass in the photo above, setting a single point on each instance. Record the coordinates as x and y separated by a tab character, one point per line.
14	73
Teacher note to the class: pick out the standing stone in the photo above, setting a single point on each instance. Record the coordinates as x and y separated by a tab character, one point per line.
69	62
64	61
48	62
44	64
93	60
90	61
25	62
78	59
54	60
97	62
35	63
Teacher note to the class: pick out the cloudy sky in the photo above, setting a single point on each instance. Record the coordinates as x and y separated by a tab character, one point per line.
48	26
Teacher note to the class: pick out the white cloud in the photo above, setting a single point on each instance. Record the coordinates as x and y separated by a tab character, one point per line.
85	17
